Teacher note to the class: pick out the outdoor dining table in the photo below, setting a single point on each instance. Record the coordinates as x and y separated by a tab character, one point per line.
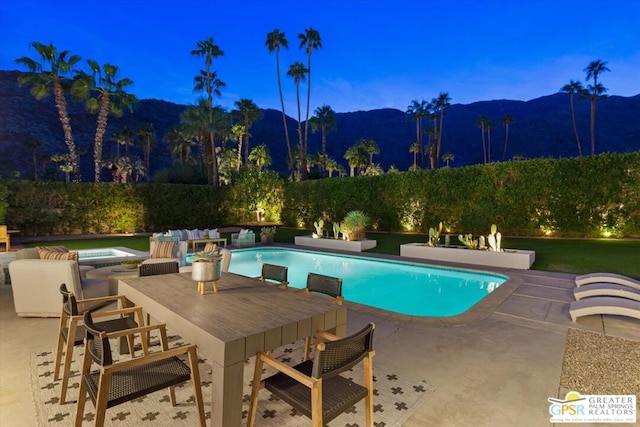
245	316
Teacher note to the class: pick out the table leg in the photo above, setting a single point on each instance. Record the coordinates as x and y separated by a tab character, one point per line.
226	384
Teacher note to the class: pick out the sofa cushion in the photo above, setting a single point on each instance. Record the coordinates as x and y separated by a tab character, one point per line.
193	234
164	249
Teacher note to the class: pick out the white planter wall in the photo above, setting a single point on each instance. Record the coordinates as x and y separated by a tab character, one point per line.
510	259
336	244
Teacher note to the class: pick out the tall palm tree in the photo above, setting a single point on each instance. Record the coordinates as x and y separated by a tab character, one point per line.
247	113
506	121
33	144
488	125
238	131
105	94
46	75
297	72
371	147
574	87
147	138
179	144
482	121
415	149
595	90
325	120
440	104
276	40
209	82
418	110
310	40
123	137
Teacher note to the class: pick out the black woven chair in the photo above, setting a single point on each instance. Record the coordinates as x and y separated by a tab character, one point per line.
275	273
321	284
71	330
154	268
116	383
315	387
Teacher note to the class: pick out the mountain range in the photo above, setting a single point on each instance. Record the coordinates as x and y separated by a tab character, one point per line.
541	127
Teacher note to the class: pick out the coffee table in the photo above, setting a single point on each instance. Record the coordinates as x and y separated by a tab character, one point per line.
231	325
194	242
112	273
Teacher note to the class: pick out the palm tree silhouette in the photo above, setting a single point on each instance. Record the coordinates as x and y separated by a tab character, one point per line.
596	89
574	87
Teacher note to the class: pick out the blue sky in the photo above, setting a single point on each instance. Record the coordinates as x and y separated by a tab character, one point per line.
375	53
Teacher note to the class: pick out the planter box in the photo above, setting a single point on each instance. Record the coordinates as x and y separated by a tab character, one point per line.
337	244
510	259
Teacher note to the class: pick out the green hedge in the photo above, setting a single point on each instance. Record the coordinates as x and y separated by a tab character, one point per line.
584	196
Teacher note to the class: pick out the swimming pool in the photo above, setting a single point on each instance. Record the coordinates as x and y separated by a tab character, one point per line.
406	288
103	257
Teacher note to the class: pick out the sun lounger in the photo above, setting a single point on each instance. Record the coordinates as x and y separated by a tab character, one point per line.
606	290
604	305
585	279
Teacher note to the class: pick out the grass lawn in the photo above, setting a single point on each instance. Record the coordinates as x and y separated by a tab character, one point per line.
576	256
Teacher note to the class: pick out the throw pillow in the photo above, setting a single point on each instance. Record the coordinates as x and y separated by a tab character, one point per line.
193	234
67	256
42	249
164	250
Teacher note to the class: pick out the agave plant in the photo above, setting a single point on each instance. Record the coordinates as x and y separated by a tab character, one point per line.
354	225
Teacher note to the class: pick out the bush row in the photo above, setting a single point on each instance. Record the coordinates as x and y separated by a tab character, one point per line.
584	196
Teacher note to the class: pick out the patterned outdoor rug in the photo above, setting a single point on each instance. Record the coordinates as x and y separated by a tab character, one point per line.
396	397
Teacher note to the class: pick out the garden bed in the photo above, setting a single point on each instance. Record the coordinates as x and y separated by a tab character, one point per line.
335	244
520	259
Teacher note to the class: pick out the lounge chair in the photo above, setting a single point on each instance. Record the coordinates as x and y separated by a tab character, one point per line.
585	279
606	289
604	305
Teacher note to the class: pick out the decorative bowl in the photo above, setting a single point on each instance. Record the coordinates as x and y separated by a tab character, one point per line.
131	265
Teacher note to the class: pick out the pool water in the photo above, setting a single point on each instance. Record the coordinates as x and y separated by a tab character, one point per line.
405	288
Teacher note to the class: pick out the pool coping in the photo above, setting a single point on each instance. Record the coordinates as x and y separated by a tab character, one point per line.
478	312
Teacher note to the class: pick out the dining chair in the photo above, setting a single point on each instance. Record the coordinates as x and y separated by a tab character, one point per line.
315	387
71	331
154	269
274	273
120	382
327	285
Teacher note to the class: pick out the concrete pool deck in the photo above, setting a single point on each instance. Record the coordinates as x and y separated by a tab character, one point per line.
495	367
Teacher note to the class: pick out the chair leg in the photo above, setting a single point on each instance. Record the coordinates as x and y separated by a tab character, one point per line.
197	388
82	394
255	390
102	398
368	382
307	343
68	356
63	323
316	404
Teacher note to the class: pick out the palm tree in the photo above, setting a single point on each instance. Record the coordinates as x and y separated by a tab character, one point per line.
448	157
331	165
574	87
596	89
440	104
310	40
276	40
357	156
488	125
415	149
208	81
260	156
371	147
104	94
179	144
482	121
506	120
43	81
238	131
297	72
247	112
33	144
325	120
147	138
123	137
418	110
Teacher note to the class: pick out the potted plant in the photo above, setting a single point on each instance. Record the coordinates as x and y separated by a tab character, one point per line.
354	225
267	234
206	266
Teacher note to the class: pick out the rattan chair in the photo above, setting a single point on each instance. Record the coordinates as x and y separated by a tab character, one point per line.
328	285
116	383
315	387
274	273
71	330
